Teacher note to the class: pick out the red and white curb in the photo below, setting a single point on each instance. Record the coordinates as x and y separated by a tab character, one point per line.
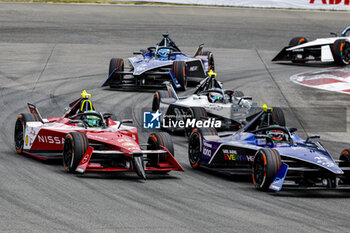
333	79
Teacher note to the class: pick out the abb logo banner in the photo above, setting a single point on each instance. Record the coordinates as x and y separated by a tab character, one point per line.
331	2
301	4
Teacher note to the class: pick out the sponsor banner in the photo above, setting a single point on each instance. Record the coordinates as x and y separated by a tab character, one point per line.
301	4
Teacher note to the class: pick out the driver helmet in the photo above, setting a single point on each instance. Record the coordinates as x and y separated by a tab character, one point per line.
163	54
91	120
275	134
215	96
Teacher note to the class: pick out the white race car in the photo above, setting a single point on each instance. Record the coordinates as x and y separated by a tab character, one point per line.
209	102
333	49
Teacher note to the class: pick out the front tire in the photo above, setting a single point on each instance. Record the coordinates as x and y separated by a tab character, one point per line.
155	141
265	166
158	140
179	70
297	41
74	148
20	126
157	97
195	145
341	52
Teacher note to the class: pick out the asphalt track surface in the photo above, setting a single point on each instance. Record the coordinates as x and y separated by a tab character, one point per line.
49	53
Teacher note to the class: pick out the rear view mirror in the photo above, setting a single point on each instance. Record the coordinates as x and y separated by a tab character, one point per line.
292	130
312	137
125	121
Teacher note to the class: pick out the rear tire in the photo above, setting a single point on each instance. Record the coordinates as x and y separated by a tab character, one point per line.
265	166
118	64
278	116
197	113
20	127
297	41
74	148
341	52
345	157
211	61
179	70
195	143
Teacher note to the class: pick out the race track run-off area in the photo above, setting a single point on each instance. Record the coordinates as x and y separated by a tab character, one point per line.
51	52
333	79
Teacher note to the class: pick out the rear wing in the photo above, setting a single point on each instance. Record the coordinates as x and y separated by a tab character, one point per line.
34	110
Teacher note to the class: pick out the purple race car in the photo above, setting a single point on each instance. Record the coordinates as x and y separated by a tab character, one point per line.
273	154
153	66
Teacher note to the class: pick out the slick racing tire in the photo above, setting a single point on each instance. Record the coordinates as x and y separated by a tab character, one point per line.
278	116
297	41
20	126
195	145
341	52
238	93
211	61
197	113
265	166
345	162
158	96
158	140
155	141
74	148
345	158
179	70
118	64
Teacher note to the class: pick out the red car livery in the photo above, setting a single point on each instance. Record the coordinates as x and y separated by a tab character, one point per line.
109	146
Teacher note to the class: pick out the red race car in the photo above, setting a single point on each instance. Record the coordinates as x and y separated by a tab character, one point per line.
90	141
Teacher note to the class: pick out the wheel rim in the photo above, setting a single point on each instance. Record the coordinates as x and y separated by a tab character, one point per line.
19	142
259	169
195	149
68	153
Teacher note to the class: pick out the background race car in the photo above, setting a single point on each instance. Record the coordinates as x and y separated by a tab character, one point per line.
90	141
209	101
153	66
273	154
334	49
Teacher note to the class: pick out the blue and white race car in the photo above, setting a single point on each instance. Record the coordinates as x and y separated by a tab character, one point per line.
273	154
153	66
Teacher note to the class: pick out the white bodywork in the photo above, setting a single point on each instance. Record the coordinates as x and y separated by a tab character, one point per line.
324	43
232	110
